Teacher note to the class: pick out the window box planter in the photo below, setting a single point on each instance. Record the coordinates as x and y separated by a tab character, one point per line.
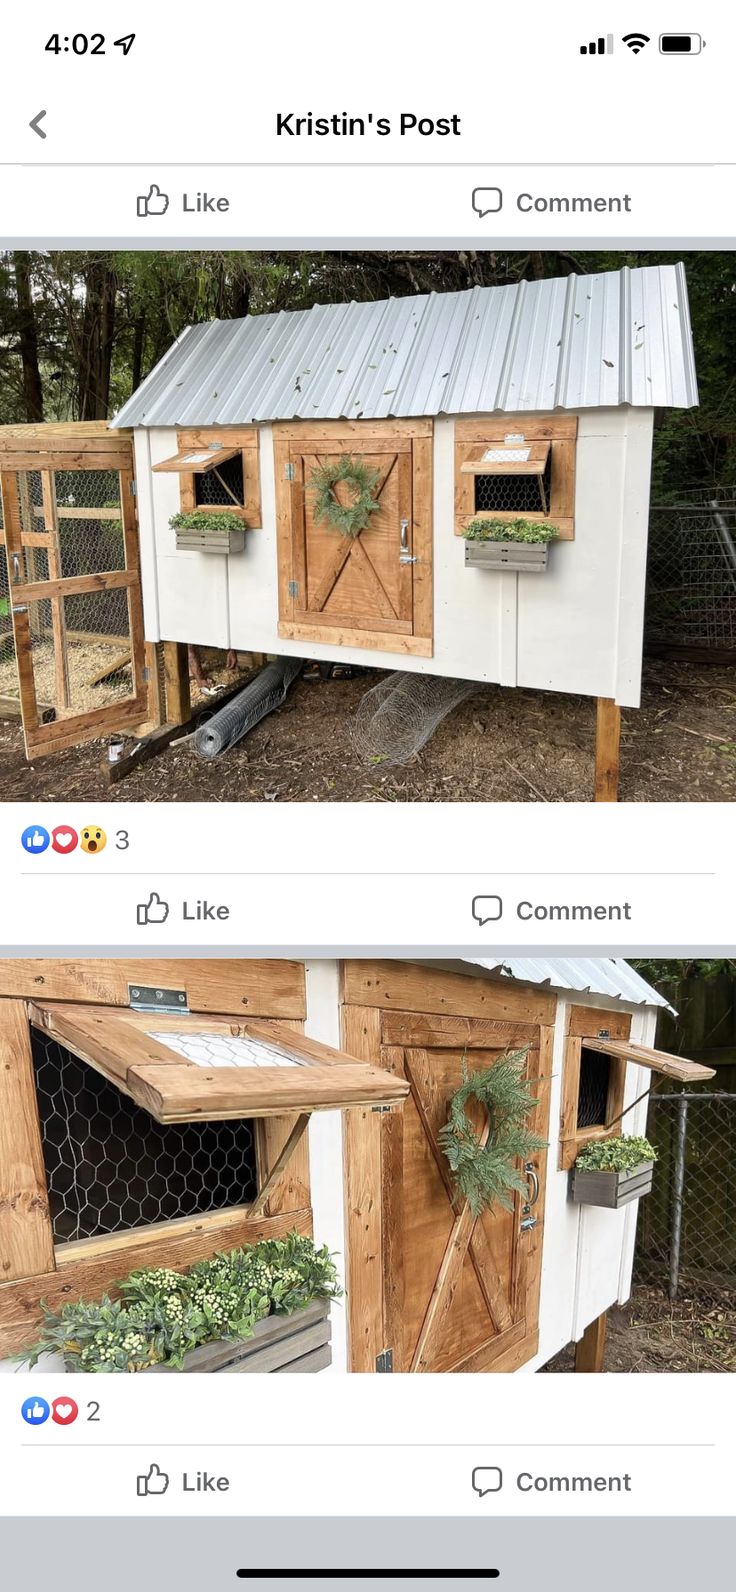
299	1342
529	558
196	541
611	1189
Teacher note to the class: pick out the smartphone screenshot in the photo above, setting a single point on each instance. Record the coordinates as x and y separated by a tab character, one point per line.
367	781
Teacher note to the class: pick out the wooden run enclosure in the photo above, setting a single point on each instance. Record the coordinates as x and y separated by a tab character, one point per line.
534	402
154	1124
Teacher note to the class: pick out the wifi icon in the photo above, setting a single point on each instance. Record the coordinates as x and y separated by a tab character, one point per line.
635	41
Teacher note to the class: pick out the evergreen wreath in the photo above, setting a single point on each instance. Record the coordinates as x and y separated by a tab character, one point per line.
352	518
483	1164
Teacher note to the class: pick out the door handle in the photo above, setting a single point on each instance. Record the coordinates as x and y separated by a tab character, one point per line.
404	536
533	1179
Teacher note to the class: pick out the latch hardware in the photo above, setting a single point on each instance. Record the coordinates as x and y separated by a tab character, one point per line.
385	1360
289	472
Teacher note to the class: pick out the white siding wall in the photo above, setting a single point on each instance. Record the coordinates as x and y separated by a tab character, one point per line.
576	628
325	1144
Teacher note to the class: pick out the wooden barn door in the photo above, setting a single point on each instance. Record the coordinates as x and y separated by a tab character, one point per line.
457	1293
373	590
70	535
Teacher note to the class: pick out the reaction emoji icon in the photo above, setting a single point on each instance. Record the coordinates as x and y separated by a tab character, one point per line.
64	839
93	839
64	1411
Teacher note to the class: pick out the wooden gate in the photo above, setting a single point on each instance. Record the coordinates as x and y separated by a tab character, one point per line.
438	1289
373	590
70	541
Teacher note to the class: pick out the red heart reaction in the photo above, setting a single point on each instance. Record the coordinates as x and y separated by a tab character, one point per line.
64	839
64	1411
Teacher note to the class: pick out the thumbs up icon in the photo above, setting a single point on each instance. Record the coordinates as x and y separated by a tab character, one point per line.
152	1485
153	203
154	910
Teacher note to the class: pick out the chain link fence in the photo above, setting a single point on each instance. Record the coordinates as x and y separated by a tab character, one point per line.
691	574
687	1226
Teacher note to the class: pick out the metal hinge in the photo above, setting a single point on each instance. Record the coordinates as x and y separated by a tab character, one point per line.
289	472
604	1033
134	488
381	1109
526	1225
149	998
20	608
145	673
385	1360
293	588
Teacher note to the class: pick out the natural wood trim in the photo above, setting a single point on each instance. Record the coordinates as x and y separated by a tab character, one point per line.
363	1188
423	540
375	640
293	1139
58	736
370	430
78	585
405	987
508	1352
607	750
245	987
585	1024
294	1185
590	1350
661	1061
90	1273
62	459
26	1237
423	1031
242	439
560	431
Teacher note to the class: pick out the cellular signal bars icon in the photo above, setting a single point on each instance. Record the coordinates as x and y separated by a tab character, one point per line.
602	46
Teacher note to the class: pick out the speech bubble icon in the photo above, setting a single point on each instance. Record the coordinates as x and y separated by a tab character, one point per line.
487	200
487	1479
487	909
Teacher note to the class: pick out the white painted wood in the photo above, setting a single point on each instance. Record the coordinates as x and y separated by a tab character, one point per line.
326	1145
577	628
146	532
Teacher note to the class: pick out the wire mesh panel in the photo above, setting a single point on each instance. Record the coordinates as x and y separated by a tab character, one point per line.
224	486
687	1225
110	1167
514	494
595	1077
691	575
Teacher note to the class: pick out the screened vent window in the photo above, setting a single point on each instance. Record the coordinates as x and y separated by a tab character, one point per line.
110	1167
222	486
514	494
595	1082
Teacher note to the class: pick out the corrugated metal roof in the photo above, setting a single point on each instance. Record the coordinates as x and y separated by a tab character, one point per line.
594	975
573	342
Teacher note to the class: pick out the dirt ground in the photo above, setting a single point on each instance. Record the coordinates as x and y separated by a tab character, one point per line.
695	1333
500	745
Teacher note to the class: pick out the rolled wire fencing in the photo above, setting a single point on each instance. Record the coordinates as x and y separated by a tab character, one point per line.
686	1231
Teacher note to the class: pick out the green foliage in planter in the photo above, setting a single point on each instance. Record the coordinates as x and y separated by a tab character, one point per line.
615	1155
162	1314
206	520
510	531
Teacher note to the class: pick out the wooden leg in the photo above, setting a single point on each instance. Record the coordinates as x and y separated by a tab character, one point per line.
607	750
178	696
590	1350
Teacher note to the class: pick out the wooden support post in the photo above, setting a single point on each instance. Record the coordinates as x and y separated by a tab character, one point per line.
607	750
178	695
26	1237
590	1350
51	523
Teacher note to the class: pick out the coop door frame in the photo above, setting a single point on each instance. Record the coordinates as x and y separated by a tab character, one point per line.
109	453
397	1017
410	632
34	1267
472	437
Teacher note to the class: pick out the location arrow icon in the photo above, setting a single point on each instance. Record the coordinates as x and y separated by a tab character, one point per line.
34	124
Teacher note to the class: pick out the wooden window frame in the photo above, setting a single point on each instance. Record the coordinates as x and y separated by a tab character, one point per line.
559	430
246	441
586	1026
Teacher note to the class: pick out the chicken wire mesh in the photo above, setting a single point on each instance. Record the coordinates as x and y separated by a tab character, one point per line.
513	494
80	647
396	718
687	1225
691	574
223	487
110	1167
595	1077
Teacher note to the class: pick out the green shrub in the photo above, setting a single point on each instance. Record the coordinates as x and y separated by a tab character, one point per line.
615	1155
206	520
162	1314
510	531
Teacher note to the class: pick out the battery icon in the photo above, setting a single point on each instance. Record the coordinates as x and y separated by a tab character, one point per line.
680	43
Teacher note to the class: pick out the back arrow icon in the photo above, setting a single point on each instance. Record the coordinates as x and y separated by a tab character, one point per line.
34	124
